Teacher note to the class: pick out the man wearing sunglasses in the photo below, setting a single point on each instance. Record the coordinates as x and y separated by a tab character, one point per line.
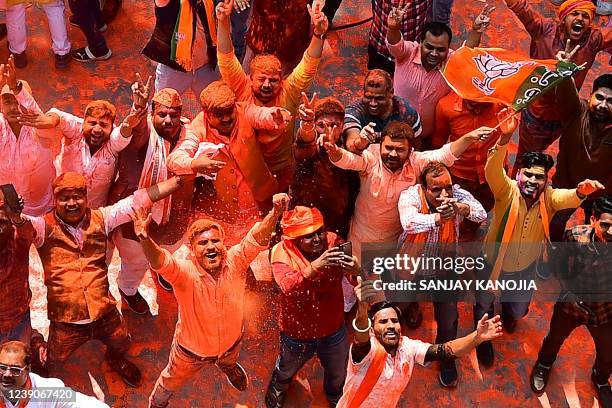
18	385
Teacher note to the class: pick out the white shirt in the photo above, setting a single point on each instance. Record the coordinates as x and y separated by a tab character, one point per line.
394	378
100	168
82	400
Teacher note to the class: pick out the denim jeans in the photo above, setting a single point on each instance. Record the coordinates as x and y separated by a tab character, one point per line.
440	11
514	304
332	352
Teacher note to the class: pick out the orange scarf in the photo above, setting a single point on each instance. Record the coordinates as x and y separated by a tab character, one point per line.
355	397
506	228
448	229
184	33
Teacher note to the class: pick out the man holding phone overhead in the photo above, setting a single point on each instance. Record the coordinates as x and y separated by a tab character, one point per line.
308	266
27	153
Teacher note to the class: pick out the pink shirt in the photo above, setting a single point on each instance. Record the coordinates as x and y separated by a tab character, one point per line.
421	87
394	378
27	161
376	217
211	311
100	168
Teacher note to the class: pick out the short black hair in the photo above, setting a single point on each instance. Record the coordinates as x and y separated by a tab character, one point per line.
530	159
603	81
602	205
434	167
376	78
397	130
437	29
18	346
377	307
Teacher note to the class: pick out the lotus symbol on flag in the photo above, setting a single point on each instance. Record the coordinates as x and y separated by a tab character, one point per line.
494	68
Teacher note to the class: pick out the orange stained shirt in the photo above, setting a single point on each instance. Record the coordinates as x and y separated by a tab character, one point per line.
454	120
211	310
277	150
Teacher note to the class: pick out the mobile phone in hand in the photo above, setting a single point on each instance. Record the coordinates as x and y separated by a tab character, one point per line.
347	248
11	198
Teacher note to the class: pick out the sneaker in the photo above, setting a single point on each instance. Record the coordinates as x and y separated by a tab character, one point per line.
604	392
448	374
136	303
126	369
274	397
164	283
236	376
20	59
539	377
85	55
484	353
2	31
61	61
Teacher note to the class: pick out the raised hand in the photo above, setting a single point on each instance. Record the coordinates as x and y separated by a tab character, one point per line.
482	20
9	75
567	54
206	166
223	11
318	19
396	15
38	120
132	120
142	218
280	202
488	329
333	151
329	136
241	5
508	121
366	293
281	117
588	187
141	91
306	108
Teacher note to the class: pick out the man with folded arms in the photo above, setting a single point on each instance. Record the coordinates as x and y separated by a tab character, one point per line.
210	289
72	243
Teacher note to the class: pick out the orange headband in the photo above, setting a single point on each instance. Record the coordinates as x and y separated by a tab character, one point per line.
571	5
301	221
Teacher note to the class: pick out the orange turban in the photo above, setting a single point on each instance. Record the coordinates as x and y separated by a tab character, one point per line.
70	180
301	221
168	97
571	5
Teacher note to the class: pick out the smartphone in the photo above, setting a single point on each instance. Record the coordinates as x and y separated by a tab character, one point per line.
11	198
347	248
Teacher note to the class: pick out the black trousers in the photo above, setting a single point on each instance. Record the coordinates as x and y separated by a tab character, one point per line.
88	16
562	325
330	9
377	61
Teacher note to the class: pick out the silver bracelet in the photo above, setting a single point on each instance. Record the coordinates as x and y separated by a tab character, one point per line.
358	330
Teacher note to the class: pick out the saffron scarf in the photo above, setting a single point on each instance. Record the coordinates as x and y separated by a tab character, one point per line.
184	32
506	228
355	397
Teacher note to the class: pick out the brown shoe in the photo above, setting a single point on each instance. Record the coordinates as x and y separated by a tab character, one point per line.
136	303
236	376
126	369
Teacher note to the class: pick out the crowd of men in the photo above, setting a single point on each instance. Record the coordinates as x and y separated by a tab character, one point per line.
266	171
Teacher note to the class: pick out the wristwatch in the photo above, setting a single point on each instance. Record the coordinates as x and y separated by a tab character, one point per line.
320	37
